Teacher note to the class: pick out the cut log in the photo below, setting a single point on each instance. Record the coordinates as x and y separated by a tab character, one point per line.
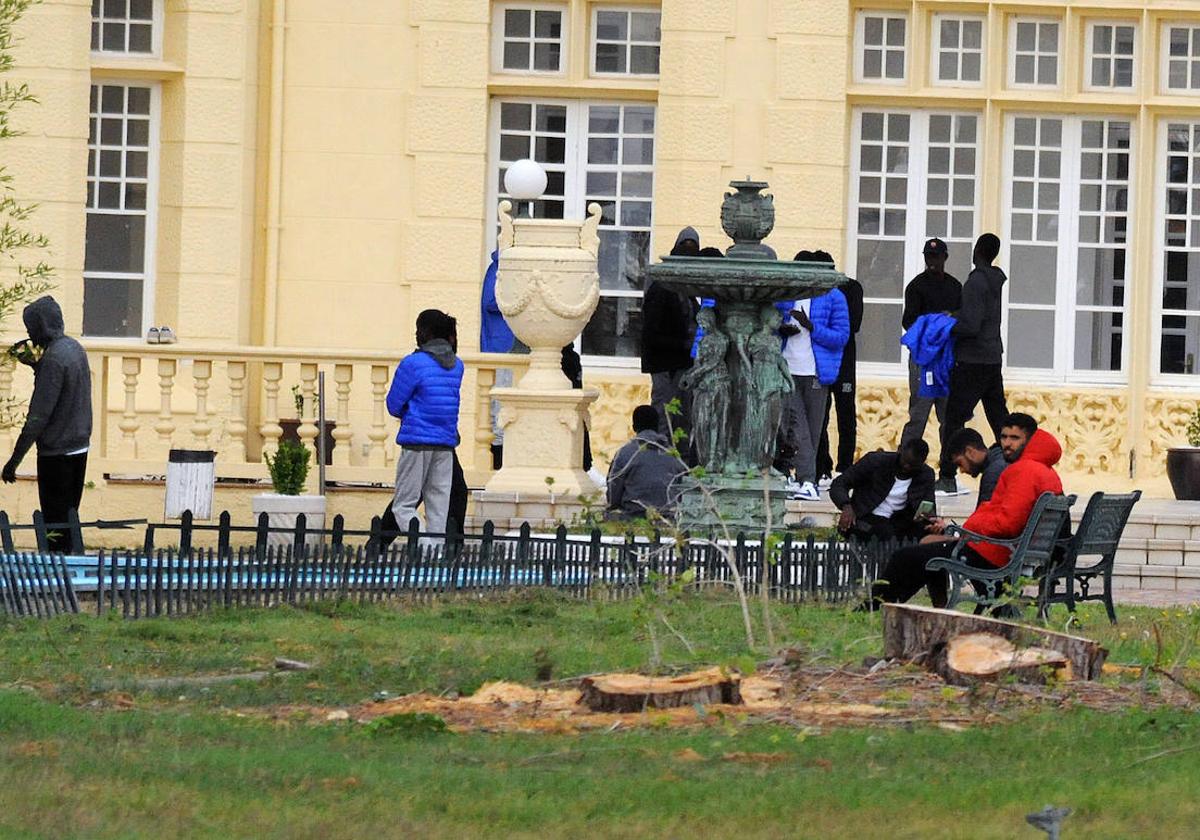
913	633
975	657
635	692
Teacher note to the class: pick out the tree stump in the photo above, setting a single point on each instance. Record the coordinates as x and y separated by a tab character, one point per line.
921	633
635	692
985	657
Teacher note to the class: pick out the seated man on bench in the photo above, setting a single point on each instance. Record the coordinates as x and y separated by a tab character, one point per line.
1032	454
881	495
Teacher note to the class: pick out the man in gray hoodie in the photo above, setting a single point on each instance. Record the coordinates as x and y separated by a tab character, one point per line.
641	476
59	419
978	354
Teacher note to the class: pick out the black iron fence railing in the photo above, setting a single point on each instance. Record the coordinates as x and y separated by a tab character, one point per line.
183	579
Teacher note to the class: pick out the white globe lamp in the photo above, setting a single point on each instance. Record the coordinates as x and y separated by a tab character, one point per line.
525	180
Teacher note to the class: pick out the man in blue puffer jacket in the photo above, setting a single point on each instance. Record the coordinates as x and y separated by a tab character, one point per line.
814	333
425	397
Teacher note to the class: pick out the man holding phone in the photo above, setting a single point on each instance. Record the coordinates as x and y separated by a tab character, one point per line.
886	494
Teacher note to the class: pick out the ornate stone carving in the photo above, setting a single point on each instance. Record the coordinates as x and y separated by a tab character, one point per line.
1166	424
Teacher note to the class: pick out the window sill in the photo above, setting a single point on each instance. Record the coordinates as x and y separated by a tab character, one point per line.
518	85
106	67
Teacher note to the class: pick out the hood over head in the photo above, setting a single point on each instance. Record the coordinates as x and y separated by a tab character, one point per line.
441	351
687	233
1043	447
43	320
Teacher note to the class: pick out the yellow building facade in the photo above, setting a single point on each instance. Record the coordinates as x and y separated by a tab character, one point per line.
286	183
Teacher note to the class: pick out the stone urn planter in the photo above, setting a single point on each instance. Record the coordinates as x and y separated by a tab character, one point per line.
547	287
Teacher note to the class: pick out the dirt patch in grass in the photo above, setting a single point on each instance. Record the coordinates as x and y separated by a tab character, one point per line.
803	697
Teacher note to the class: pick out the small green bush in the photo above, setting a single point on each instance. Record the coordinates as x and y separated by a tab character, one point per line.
1193	428
289	467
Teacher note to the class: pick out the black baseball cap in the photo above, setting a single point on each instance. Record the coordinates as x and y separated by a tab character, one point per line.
935	247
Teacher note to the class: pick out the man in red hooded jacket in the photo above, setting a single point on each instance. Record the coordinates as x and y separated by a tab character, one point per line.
1032	454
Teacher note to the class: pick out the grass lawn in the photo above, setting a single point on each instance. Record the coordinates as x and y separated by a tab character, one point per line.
87	752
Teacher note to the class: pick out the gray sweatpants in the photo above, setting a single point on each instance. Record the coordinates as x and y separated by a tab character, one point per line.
423	473
802	421
919	407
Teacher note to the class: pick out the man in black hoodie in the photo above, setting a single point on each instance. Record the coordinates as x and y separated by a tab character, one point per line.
841	392
978	354
668	330
930	292
59	419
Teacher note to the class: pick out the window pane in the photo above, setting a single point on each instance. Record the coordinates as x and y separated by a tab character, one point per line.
643	59
895	64
1033	273
612	26
615	328
516	55
949	31
880	268
516	23
972	37
1030	339
879	338
115	243
139	38
623	259
873	31
112	307
644	26
141	9
1101	278
1047	70
610	58
972	67
514	115
1026	36
547	57
547	24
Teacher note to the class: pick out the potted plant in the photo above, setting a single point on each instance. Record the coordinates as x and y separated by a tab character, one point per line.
291	427
289	471
1183	462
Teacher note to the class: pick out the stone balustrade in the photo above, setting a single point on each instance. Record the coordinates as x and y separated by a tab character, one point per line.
236	400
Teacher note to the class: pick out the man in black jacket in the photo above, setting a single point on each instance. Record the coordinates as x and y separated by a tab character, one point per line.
978	354
668	330
968	452
880	495
59	419
930	292
841	393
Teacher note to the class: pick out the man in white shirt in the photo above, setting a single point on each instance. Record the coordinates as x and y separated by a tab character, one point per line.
881	495
805	410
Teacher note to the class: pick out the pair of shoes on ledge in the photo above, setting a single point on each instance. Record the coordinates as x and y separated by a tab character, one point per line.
161	335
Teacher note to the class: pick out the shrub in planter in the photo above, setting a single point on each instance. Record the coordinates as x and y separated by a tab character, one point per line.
1183	462
289	470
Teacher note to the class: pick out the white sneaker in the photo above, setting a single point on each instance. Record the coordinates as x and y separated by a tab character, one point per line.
808	492
792	487
166	335
152	335
598	477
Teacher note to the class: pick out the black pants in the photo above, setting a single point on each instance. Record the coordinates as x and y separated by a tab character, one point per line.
60	488
841	395
971	384
905	573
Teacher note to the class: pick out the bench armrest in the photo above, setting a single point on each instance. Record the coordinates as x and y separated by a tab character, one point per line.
964	535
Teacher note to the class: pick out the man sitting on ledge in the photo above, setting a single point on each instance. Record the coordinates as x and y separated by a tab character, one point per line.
1033	454
879	496
641	475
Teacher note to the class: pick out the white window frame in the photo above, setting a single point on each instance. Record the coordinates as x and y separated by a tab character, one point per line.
1011	53
1089	55
157	17
1164	64
1176	381
915	205
149	275
936	50
499	39
574	190
592	41
1067	258
860	26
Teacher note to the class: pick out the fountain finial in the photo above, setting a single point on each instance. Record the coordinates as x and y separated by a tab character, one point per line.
748	217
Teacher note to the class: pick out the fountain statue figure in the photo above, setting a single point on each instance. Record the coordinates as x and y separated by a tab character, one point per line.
739	379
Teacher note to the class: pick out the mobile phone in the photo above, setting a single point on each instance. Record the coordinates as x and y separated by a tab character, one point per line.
925	509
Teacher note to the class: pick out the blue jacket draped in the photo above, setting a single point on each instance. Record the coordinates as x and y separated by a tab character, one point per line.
495	336
931	346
